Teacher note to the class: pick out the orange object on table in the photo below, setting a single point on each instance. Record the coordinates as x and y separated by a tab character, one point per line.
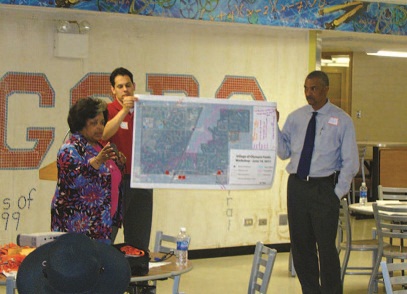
11	256
130	250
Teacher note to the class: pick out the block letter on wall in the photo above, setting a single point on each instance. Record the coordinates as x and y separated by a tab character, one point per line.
91	84
26	83
240	85
158	84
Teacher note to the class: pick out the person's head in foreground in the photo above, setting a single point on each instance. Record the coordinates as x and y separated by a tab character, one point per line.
74	263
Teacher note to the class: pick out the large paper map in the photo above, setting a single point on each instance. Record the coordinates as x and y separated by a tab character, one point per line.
201	143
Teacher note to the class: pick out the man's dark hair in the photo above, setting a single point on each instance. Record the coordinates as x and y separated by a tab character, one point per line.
84	109
120	71
317	74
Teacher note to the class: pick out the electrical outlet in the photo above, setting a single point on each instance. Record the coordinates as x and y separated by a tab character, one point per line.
282	220
359	114
262	222
248	222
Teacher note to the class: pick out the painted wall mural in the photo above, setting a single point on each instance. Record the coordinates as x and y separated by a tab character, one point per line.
341	15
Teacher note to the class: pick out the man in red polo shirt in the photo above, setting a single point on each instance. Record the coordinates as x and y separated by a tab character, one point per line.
137	203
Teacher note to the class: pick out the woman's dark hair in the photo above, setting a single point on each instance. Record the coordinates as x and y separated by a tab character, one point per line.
84	109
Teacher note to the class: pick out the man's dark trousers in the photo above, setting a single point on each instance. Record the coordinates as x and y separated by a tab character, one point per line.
313	213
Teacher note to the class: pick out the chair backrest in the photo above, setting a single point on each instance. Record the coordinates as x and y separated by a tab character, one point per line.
263	262
344	226
393	276
362	153
391	222
392	193
166	243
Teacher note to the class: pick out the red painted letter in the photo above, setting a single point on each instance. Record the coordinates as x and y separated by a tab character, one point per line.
240	85
158	84
29	83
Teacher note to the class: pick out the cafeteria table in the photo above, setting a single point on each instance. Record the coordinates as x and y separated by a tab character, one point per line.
367	209
160	270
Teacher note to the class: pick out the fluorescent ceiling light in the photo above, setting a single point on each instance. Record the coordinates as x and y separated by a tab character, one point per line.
336	60
340	59
388	53
73	27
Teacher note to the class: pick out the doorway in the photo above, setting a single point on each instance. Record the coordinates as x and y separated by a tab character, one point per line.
338	67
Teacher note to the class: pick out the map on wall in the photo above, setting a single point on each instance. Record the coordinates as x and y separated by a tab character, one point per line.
203	143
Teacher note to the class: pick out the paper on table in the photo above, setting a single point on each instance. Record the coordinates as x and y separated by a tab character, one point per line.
10	274
157	264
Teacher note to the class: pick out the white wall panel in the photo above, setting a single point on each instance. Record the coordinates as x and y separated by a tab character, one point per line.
278	59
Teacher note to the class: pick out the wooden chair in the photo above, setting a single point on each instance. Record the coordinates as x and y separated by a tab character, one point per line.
263	262
346	242
392	193
393	277
391	223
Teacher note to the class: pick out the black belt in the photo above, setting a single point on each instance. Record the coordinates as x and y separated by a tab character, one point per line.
333	177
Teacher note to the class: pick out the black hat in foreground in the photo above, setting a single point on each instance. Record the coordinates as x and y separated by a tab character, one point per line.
74	263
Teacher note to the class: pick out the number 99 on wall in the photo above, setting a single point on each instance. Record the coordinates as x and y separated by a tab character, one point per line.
10	217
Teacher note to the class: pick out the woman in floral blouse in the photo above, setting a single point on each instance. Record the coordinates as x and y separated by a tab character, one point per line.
87	195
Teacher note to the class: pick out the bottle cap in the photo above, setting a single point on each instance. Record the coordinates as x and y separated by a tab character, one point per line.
363	184
183	229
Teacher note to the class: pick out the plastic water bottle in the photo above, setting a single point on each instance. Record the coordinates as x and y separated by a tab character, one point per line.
182	247
363	194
